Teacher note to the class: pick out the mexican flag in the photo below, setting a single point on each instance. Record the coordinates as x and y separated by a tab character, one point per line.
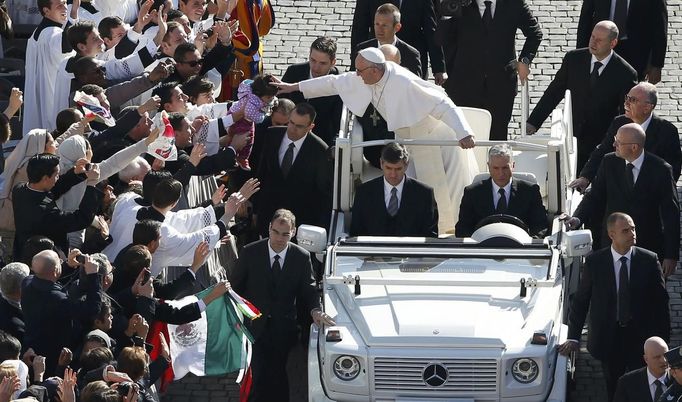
216	344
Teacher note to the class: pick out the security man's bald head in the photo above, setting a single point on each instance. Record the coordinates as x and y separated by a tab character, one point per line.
46	265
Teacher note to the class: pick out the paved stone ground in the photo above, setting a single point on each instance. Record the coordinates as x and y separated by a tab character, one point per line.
299	22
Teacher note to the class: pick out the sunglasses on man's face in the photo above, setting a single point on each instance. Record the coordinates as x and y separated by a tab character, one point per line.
193	63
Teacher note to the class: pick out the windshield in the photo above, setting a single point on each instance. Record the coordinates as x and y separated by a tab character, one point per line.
462	268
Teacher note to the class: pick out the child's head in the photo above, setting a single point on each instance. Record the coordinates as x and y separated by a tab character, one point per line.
9	347
199	90
104	318
263	88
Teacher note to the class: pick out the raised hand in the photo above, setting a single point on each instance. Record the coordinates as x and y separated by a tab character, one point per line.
198	153
250	188
218	195
68	385
200	255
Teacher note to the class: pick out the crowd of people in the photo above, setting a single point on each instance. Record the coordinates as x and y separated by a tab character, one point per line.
98	220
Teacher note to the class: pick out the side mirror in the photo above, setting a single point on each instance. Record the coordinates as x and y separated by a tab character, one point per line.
312	238
577	243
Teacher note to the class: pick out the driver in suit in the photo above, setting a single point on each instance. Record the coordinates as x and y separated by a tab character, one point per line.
501	194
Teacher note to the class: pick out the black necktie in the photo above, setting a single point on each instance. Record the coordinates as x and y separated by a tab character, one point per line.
288	159
623	292
629	175
658	391
276	268
595	73
487	14
393	207
502	202
620	17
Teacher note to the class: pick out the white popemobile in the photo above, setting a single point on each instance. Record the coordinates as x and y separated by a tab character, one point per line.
448	319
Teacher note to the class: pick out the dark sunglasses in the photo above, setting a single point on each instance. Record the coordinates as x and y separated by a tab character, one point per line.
193	63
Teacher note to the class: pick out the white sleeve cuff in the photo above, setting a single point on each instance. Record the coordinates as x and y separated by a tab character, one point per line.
202	306
228	120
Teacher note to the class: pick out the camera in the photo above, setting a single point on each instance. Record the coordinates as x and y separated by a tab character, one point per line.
209	32
80	259
88	166
124	387
453	8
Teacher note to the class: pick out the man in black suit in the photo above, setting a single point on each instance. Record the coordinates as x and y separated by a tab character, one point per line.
598	79
419	18
622	286
500	194
646	384
295	172
386	25
274	274
394	204
278	117
11	316
643	26
321	61
480	55
640	184
662	138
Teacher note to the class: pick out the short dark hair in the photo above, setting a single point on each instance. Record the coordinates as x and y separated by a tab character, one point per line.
33	246
10	347
325	44
262	85
107	24
197	85
167	193
151	181
83	66
96	358
65	119
92	89
174	13
79	32
134	260
146	231
306	109
164	92
41	165
182	50
42	4
175	119
285	215
394	153
615	217
170	27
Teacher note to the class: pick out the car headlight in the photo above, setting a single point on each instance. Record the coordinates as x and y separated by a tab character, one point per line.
346	367
525	370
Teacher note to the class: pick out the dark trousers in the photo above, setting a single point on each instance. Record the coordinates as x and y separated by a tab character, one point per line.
498	101
269	363
626	355
586	145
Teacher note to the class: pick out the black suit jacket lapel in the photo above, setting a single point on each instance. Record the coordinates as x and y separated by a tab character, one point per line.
274	153
489	198
610	279
643	172
406	197
513	194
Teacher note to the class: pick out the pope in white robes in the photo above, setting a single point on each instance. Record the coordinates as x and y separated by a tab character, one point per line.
412	108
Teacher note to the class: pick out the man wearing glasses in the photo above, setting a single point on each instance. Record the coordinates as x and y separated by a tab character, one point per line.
274	274
640	184
598	78
662	137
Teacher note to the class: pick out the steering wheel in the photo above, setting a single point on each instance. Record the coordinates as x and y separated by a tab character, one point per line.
502	218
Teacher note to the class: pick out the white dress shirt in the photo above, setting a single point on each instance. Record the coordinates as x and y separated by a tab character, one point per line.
399	193
496	194
603	62
282	255
285	145
638	166
481	7
652	386
616	264
645	123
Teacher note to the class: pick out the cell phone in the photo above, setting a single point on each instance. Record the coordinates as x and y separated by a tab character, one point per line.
80	259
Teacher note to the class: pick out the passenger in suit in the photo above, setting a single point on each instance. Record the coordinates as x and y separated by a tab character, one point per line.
386	25
646	384
394	204
640	184
419	18
295	172
643	26
622	286
273	274
321	61
662	138
501	194
598	79
480	53
674	391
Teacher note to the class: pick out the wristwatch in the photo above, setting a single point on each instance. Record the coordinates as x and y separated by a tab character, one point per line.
525	60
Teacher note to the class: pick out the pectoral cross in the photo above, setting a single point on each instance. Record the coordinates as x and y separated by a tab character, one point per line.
375	117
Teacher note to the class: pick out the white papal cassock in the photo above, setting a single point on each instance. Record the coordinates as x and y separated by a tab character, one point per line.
418	109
